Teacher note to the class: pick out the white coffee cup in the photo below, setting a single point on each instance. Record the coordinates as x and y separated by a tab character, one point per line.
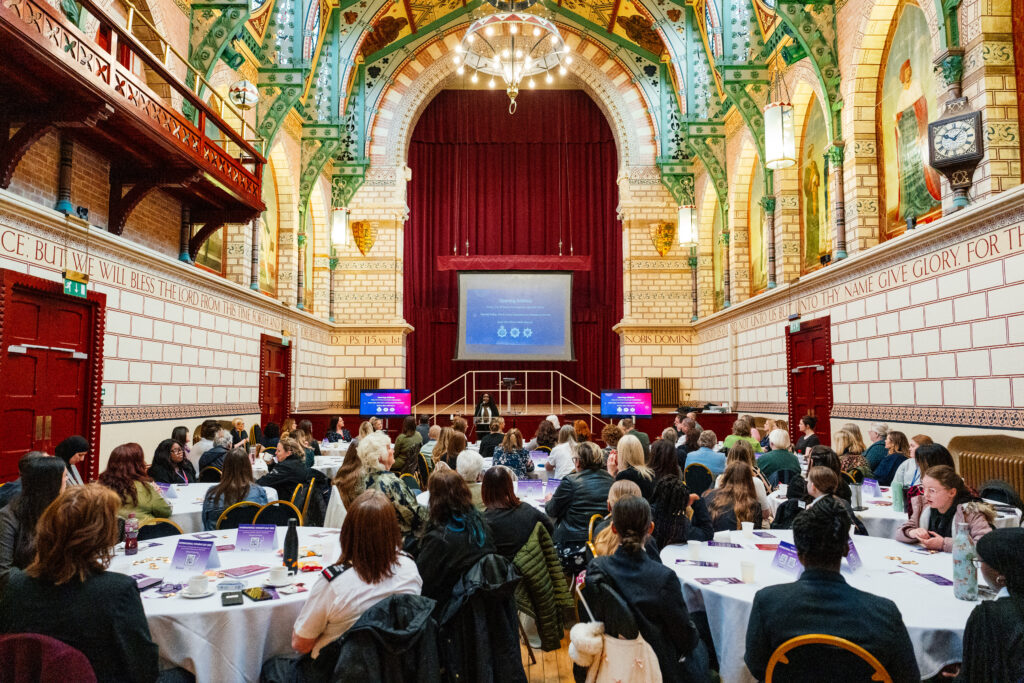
747	572
694	547
723	536
199	584
748	529
278	575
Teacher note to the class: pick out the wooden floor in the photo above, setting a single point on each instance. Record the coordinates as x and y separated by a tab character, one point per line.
551	667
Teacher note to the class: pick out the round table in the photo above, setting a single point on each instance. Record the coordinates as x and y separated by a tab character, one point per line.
187	505
935	619
328	464
881	520
219	643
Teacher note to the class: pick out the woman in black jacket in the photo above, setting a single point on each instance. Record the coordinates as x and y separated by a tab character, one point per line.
581	495
170	466
669	504
42	480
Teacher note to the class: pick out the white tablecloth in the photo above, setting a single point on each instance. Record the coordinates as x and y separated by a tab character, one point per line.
329	463
881	520
187	507
935	619
218	643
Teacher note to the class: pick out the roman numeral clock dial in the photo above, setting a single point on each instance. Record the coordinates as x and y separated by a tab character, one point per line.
955	149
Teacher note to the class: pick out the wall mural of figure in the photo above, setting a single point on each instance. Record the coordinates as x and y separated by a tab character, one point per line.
907	102
758	240
269	233
718	258
814	215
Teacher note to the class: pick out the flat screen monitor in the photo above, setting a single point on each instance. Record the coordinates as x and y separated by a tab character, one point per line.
385	402
626	403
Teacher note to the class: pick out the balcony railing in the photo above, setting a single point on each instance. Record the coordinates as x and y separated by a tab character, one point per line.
232	153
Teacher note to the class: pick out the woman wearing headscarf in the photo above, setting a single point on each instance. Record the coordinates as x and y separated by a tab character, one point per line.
994	636
72	451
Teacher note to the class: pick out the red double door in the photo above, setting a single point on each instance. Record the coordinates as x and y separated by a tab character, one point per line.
275	380
809	371
49	368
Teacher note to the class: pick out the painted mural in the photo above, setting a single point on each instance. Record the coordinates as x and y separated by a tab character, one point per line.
269	233
907	102
814	205
211	254
718	258
758	240
307	267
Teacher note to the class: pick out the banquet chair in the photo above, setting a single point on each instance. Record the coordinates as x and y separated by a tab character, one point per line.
309	494
277	513
823	660
255	434
158	527
31	657
698	477
426	467
782	477
855	476
412	481
297	496
209	475
237	514
594	518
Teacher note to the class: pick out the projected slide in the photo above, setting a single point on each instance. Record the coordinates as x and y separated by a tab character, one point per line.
626	403
393	403
515	316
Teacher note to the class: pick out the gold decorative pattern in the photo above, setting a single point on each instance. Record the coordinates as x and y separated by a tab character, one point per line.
365	235
663	236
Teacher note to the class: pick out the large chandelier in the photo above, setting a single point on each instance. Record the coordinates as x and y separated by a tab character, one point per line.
513	46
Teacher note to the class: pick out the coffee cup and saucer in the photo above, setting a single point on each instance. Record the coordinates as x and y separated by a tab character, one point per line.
198	587
278	577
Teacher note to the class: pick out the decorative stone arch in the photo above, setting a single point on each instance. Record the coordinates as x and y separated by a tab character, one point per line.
287	218
742	171
430	70
707	198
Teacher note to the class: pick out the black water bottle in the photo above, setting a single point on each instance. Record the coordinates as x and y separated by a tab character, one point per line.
291	547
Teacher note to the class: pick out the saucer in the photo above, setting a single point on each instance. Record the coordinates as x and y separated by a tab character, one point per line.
196	596
287	582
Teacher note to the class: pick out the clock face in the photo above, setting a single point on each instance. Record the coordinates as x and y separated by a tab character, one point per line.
954	139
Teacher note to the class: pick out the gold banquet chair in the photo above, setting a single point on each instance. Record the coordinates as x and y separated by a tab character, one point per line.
811	639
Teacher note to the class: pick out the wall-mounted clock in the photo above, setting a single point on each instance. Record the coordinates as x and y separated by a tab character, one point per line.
955	147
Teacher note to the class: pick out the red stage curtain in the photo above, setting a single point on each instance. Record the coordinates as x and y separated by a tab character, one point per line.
512	185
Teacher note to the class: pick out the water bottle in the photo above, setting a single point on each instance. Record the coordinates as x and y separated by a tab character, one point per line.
965	574
291	547
131	535
897	497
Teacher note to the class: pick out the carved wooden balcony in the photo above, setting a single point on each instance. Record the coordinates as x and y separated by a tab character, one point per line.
54	75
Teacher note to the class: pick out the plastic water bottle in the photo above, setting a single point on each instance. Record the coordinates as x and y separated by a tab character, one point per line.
291	547
897	497
965	574
131	535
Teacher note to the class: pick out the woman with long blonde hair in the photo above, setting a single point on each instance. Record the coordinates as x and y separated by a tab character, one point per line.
735	501
606	541
629	464
845	445
441	447
858	440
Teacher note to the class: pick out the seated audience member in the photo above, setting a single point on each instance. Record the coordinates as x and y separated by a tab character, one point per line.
444	438
287	427
611	434
850	458
126	476
207	433
559	463
741	451
72	451
433	434
10	490
704	454
170	466
305	441
809	438
493	438
238	433
769	426
582	431
669	504
994	637
511	520
606	541
365	429
822	483
512	455
652	592
858	441
307	428
470	467
271	435
735	499
628	427
336	430
377	457
688	440
669	434
407	448
821	601
371	567
741	432
877	451
214	457
629	464
288	469
459	424
754	433
925	457
944	502
898	447
235	485
663	461
779	457
456	444
42	480
546	437
580	495
349	481
423	428
67	593
455	539
908	473
796	501
182	435
826	457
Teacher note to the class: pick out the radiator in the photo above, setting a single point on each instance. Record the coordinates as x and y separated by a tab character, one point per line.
357	385
664	391
977	468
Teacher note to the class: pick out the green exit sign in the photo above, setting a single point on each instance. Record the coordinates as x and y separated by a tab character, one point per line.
75	284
